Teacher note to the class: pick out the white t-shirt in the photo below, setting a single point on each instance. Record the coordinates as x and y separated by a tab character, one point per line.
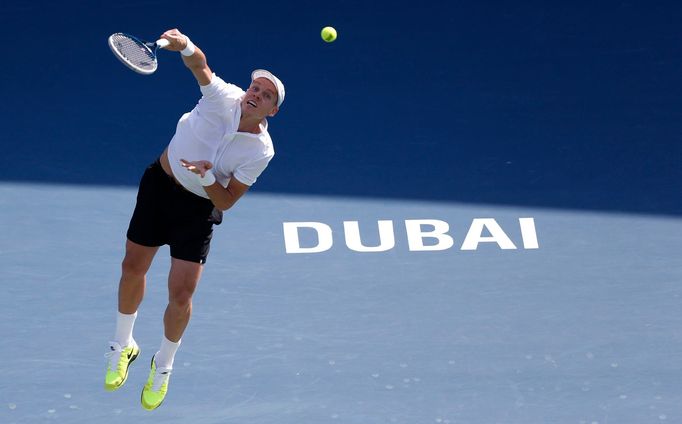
210	132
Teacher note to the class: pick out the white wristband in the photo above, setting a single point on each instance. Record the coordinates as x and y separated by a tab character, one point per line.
208	178
189	50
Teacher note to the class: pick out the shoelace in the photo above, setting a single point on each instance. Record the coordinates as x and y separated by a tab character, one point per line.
160	378
114	357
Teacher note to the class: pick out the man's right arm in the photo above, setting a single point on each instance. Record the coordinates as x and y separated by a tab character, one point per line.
196	62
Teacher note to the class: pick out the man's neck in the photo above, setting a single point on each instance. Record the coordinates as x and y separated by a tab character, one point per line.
249	126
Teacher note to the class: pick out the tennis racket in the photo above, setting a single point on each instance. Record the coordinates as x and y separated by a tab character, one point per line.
136	54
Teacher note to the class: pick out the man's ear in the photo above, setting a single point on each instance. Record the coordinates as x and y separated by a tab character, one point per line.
273	112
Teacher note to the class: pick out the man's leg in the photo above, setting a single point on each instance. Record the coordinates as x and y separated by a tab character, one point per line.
123	350
134	269
182	282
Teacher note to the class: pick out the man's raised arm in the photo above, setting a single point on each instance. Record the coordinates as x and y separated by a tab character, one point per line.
192	56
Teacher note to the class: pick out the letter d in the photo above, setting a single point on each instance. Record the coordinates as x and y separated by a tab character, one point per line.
292	242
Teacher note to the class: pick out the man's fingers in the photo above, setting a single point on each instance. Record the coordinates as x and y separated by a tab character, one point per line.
193	168
175	38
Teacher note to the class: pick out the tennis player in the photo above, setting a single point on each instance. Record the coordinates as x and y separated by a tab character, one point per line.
218	151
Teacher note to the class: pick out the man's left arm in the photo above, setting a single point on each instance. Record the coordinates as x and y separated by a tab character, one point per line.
223	198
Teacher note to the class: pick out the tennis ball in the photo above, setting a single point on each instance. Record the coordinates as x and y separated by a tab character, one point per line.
328	34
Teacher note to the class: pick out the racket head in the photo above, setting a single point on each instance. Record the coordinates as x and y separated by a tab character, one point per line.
133	53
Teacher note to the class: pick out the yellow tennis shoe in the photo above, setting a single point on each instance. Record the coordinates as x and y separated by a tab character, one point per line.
118	362
155	390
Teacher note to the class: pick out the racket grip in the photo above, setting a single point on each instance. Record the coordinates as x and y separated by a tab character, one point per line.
162	42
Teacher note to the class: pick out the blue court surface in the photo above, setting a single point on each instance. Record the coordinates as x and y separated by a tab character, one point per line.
473	215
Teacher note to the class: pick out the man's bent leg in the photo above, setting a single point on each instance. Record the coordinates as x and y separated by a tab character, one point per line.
182	282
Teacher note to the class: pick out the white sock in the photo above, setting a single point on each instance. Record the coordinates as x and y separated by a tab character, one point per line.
124	328
166	355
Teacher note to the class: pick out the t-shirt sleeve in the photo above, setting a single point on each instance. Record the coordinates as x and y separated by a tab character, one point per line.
215	110
250	171
218	99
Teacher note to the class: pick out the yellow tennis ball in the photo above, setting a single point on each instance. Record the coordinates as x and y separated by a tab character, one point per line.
328	34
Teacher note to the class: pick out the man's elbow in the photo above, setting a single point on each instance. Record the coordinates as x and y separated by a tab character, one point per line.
231	194
223	208
224	205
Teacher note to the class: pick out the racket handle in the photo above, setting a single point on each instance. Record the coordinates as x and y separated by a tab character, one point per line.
162	42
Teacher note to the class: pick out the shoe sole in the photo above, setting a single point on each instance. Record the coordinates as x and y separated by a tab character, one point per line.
149	408
125	378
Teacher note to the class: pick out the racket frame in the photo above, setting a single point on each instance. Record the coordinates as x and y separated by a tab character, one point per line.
160	43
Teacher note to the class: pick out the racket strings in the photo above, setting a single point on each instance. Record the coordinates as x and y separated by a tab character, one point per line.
134	52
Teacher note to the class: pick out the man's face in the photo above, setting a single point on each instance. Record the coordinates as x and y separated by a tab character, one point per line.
260	98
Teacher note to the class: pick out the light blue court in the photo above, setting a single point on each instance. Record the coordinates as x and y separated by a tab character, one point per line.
583	329
473	215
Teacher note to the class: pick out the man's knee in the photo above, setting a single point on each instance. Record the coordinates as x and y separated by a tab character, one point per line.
133	266
183	280
180	294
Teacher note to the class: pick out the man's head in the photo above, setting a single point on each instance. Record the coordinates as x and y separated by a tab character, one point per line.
264	96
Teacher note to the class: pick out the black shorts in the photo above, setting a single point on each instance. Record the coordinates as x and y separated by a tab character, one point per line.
166	213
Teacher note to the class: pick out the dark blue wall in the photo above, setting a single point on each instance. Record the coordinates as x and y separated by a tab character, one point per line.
568	105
